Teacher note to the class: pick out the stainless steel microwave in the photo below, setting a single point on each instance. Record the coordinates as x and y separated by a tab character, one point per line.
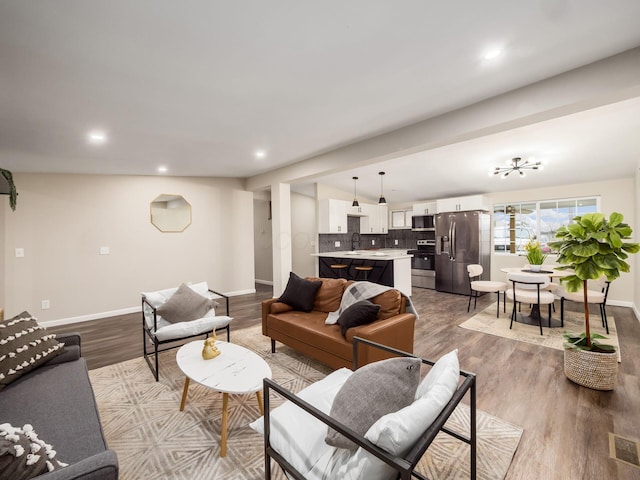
422	223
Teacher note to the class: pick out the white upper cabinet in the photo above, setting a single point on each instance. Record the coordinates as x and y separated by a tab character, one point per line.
332	216
375	219
355	211
400	219
383	214
461	204
424	208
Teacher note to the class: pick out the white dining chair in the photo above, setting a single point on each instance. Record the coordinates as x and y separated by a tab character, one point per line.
485	286
597	292
530	288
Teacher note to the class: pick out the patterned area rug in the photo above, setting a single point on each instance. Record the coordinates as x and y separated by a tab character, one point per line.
153	439
486	322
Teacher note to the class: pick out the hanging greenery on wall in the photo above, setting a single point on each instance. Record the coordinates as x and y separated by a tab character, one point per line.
13	193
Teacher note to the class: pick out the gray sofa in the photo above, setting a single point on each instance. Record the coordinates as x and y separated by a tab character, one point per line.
57	399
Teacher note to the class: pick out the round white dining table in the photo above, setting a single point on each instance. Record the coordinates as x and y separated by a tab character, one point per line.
534	316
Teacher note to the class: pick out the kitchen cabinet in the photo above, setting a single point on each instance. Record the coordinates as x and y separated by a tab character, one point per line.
461	204
383	215
355	211
375	219
332	216
400	219
424	208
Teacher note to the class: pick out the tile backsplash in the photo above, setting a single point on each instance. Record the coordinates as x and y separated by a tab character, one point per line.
407	239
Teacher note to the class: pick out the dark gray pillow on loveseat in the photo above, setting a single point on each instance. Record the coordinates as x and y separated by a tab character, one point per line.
58	401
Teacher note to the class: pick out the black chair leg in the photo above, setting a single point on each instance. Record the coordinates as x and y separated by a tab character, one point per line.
562	311
273	346
603	314
504	301
513	313
469	305
157	372
498	308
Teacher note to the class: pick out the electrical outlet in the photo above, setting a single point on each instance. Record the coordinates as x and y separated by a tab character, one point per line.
395	242
373	242
45	304
337	243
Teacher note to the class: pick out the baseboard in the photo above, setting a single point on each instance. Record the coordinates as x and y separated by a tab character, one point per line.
620	303
240	292
113	313
92	316
264	282
636	312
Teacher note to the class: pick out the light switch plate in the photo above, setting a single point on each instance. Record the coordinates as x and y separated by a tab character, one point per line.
104	250
19	252
395	242
373	242
45	305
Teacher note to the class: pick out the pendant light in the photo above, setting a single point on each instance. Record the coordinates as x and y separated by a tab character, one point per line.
355	193
382	201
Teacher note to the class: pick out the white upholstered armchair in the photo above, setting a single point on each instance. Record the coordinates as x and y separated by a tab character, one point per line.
175	314
296	434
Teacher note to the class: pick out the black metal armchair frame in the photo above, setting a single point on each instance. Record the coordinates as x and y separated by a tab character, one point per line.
403	465
148	334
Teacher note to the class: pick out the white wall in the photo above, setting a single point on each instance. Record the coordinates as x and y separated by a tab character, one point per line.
615	196
62	221
304	234
262	240
636	236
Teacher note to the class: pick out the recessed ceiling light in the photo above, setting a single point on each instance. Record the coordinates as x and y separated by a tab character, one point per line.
97	137
162	169
491	54
260	154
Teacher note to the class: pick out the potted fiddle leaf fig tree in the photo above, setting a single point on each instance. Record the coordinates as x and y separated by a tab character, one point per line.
7	187
591	247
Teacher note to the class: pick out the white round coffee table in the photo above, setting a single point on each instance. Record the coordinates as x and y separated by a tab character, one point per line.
236	370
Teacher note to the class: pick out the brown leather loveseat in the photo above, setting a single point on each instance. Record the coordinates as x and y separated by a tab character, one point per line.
308	334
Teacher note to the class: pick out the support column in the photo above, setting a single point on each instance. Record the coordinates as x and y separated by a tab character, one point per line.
281	235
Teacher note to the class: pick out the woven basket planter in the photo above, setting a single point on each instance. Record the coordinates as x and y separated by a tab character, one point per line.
595	370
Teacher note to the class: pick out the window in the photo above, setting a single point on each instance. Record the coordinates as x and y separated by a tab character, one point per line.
515	224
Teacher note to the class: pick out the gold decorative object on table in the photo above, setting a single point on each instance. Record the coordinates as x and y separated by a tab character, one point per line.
210	350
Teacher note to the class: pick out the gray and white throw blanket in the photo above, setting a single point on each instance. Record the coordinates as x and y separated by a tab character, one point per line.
363	291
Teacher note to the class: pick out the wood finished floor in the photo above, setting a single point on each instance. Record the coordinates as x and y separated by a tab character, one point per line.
565	426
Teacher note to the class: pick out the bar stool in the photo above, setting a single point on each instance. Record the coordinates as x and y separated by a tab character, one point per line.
365	269
338	268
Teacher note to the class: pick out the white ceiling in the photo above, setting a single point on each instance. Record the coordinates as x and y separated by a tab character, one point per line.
199	85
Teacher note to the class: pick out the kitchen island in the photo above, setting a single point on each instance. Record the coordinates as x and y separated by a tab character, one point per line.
391	267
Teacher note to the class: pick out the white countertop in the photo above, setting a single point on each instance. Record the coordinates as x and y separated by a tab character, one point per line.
381	254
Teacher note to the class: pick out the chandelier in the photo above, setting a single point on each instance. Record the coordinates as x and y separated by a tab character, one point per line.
518	165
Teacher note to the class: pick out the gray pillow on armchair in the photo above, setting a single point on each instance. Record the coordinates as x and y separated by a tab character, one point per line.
185	305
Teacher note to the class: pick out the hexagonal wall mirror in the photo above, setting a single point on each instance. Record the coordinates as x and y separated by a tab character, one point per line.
170	213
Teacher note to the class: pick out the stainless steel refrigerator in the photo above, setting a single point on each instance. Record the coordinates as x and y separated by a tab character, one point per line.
462	238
